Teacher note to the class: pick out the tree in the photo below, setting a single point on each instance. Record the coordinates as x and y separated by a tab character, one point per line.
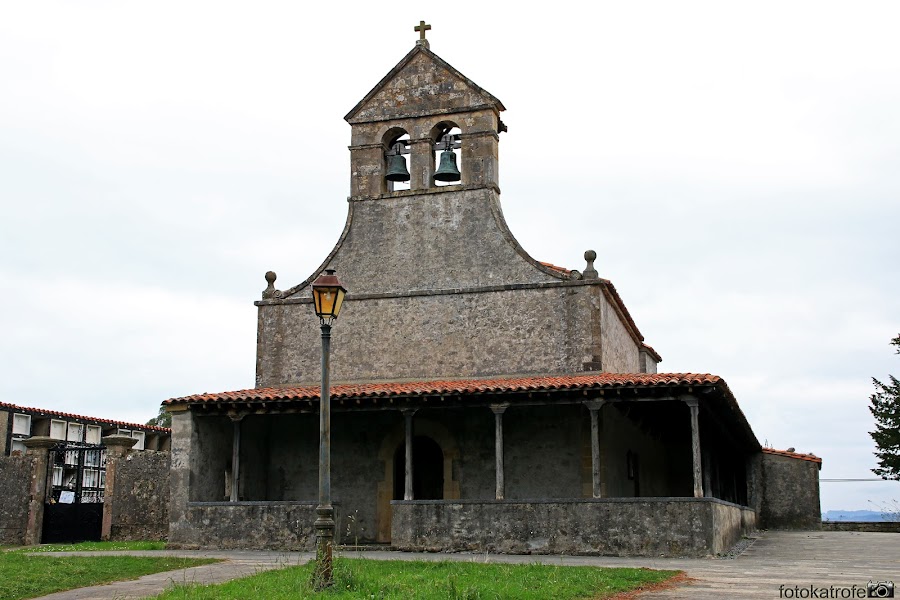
886	410
163	419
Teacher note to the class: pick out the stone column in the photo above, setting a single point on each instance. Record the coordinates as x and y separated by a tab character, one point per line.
408	469
38	448
236	458
694	406
594	407
117	448
499	409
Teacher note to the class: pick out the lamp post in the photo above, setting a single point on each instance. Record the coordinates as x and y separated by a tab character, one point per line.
328	296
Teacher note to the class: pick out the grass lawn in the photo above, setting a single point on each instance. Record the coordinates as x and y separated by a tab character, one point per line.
421	580
23	575
96	547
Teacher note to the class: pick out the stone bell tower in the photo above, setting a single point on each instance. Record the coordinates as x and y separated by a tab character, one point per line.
429	260
423	97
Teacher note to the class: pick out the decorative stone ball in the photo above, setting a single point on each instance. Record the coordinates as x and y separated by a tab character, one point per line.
590	255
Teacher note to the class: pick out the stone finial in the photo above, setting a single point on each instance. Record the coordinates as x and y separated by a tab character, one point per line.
270	290
590	272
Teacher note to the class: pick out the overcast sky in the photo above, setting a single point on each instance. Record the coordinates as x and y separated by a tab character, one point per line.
736	166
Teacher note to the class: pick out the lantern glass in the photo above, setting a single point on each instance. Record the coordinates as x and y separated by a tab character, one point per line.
328	296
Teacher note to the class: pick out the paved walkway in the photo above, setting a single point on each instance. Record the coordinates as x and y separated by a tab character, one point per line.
822	559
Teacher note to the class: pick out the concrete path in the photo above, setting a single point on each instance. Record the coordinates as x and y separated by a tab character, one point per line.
789	559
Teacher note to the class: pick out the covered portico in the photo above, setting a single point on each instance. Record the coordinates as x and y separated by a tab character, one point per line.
428	463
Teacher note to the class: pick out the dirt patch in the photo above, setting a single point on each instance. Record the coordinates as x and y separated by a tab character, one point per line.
678	580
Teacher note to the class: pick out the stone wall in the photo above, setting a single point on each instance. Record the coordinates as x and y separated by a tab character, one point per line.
866	526
5	427
15	486
140	502
610	526
788	493
448	258
620	351
250	526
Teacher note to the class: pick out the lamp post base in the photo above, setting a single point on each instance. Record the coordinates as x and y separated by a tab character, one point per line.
323	576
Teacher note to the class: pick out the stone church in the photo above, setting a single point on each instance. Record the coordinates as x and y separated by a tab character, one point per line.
537	419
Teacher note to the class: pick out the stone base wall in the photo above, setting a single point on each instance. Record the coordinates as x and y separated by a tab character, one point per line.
248	526
607	526
867	526
15	490
140	502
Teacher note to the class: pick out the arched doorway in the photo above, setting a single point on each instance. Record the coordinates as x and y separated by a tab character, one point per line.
428	470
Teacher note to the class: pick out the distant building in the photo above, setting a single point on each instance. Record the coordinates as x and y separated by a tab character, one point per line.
18	423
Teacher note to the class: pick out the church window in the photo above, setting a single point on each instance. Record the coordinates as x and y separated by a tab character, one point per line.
447	153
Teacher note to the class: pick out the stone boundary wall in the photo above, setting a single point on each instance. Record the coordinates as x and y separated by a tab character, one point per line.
682	527
139	505
789	490
284	526
866	526
136	498
15	490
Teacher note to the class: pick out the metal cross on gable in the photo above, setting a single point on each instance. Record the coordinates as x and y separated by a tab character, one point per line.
421	28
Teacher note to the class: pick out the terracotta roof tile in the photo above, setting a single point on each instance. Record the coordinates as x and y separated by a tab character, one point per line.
810	457
554	267
459	387
54	413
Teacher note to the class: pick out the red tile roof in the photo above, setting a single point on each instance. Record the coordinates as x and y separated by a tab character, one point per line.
54	413
652	352
555	268
461	387
810	457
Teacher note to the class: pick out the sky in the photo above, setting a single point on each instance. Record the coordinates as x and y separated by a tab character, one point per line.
736	166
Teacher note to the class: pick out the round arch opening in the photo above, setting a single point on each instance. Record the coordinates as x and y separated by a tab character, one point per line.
428	470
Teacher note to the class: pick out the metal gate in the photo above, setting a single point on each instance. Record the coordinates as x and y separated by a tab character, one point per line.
73	511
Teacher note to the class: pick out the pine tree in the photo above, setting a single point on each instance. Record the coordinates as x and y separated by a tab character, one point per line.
886	410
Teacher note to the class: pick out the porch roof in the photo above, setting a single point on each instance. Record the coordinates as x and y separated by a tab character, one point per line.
711	390
460	387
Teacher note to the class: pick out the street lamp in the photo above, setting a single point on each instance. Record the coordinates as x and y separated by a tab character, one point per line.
328	296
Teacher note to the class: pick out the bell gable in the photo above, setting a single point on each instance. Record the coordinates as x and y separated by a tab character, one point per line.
421	84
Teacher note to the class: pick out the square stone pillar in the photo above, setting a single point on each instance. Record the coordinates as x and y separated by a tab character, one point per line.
117	448
38	448
421	164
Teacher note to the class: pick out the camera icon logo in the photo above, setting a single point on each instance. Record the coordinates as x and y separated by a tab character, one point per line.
880	589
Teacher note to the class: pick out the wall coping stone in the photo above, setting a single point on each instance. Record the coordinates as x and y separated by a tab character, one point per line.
260	503
41	441
653	500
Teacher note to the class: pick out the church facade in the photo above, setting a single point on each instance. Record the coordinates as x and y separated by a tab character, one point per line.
535	415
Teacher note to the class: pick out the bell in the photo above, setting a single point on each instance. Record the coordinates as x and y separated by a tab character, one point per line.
397	168
447	170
